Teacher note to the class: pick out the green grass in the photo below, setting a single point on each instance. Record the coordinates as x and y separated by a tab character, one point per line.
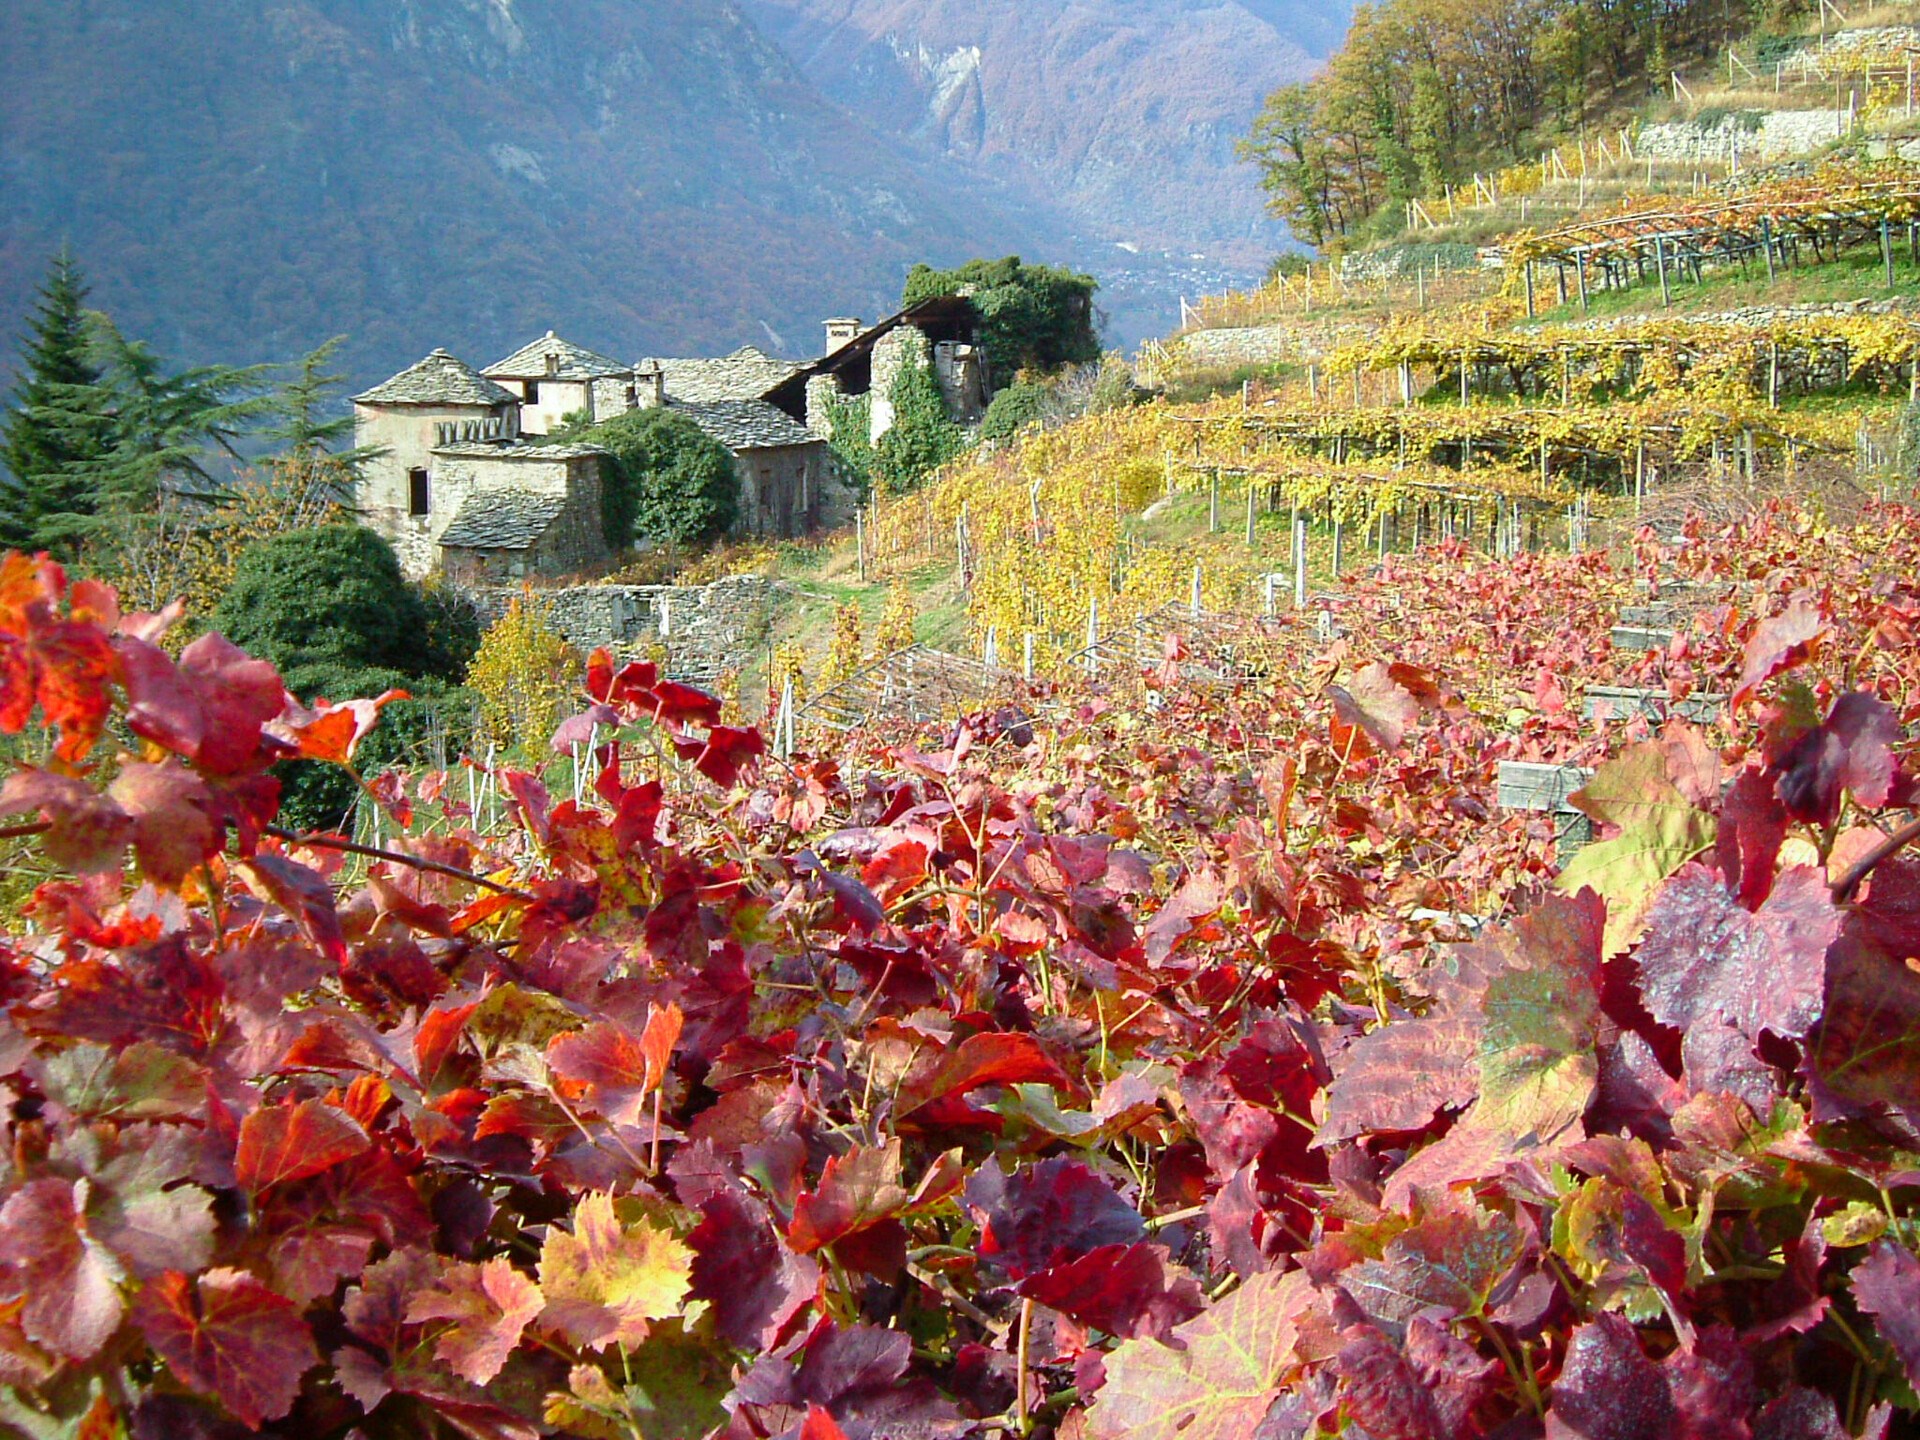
1859	275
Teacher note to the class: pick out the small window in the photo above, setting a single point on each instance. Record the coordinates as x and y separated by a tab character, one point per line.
417	494
531	392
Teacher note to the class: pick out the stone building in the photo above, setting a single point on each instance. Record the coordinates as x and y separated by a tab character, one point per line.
449	455
456	488
554	378
942	333
789	483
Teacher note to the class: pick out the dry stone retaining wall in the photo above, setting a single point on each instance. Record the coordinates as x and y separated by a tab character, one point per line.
706	630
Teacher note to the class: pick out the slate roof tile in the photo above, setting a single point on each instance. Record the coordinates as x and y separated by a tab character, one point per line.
439	379
502	520
746	374
748	424
575	362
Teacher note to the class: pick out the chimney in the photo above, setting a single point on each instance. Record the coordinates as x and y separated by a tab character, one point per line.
840	331
650	384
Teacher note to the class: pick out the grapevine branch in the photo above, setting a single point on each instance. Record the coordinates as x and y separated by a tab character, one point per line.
333	842
1844	887
412	862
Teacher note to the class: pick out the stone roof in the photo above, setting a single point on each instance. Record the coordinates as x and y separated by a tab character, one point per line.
437	380
482	450
573	362
502	520
746	374
748	424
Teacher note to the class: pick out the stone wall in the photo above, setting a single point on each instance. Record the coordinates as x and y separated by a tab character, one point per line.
1400	262
1757	135
705	629
403	437
893	352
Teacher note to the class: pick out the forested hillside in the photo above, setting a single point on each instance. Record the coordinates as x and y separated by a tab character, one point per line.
1426	92
243	181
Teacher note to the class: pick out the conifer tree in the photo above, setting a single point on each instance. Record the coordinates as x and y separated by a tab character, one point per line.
50	439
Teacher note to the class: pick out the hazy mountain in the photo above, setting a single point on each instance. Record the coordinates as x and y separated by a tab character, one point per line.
1123	111
243	178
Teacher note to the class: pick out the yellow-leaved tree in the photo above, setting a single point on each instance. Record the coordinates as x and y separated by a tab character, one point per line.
526	676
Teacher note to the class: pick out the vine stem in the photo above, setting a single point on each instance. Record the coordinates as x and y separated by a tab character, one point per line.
412	862
1844	887
1021	1401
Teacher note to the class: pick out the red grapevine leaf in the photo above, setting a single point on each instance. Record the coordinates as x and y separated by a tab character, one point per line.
1224	1376
490	1304
1851	752
1129	1291
856	1190
1426	1392
282	1143
1197	900
819	1426
724	754
238	695
306	896
994	1058
1608	1389
171	812
1886	1285
1373	707
1778	644
657	1039
1453	1261
73	1302
1706	962
1753	825
607	1058
1054	1212
672	703
754	1282
856	1375
230	1337
90	832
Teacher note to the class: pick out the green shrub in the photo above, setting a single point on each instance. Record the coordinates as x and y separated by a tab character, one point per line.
922	437
432	727
668	481
1032	317
850	437
1013	410
331	596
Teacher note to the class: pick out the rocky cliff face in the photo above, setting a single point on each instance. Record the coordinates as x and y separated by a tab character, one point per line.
1125	111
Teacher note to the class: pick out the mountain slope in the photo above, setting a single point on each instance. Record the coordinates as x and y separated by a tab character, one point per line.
1124	111
242	179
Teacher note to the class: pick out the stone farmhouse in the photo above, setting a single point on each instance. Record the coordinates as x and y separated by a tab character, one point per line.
461	484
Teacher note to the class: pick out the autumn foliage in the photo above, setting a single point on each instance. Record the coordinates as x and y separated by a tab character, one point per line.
1221	1066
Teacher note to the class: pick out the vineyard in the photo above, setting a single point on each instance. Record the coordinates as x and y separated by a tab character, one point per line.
1143	1059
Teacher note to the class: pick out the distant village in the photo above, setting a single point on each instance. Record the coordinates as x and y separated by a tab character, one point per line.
464	482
